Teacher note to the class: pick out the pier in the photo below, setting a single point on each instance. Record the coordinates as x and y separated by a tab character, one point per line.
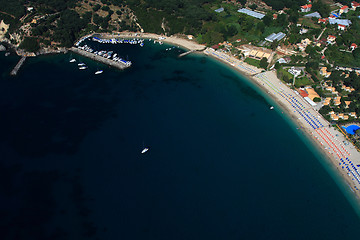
18	66
107	61
187	53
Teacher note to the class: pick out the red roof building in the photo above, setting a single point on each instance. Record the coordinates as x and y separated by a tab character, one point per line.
344	9
306	8
353	46
322	20
341	27
354	5
303	93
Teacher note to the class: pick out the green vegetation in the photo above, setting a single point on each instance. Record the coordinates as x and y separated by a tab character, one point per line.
253	62
30	44
284	75
302	81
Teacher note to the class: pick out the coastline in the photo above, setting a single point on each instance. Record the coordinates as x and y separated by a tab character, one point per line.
326	139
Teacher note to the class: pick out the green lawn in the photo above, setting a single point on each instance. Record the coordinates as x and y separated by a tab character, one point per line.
253	62
303	81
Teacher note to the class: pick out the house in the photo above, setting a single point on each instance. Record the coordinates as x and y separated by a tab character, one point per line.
327	101
337	101
304	43
346	117
331	89
331	39
353	114
341	27
341	115
312	93
347	103
353	46
294	71
323	20
334	117
306	8
354	5
29	9
275	16
303	93
344	9
324	72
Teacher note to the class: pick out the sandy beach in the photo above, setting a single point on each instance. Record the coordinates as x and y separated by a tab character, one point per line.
343	158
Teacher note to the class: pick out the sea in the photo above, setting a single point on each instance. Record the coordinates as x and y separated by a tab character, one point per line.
220	165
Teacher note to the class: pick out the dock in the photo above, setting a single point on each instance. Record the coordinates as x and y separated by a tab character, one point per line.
186	53
107	61
18	66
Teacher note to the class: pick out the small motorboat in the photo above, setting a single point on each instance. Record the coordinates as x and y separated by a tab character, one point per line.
271	108
72	60
98	72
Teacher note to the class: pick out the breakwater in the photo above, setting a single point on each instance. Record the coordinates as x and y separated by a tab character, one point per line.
117	64
18	66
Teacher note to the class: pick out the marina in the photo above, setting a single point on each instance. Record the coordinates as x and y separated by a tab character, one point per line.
100	57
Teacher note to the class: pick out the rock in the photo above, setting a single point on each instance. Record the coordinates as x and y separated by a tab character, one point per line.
2	48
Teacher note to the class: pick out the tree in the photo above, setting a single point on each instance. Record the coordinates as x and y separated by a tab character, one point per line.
316	99
30	44
263	63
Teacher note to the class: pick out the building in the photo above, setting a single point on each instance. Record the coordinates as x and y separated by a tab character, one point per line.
332	90
344	9
327	101
345	22
354	5
219	10
323	20
251	13
353	46
304	43
314	14
337	101
324	72
294	71
334	117
341	27
306	8
353	114
275	37
331	39
312	93
347	103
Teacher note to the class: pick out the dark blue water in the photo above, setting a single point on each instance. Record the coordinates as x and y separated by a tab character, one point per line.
221	165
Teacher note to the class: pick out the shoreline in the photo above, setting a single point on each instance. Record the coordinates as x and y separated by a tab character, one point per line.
327	140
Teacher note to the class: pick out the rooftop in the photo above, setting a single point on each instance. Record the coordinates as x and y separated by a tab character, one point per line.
251	13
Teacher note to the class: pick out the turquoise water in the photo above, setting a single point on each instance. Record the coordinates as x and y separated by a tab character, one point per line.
221	165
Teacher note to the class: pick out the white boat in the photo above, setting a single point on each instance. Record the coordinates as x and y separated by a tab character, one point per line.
98	72
145	150
83	68
72	60
271	107
81	64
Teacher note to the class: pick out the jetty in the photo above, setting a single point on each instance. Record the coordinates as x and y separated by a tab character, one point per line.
18	66
107	61
191	51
